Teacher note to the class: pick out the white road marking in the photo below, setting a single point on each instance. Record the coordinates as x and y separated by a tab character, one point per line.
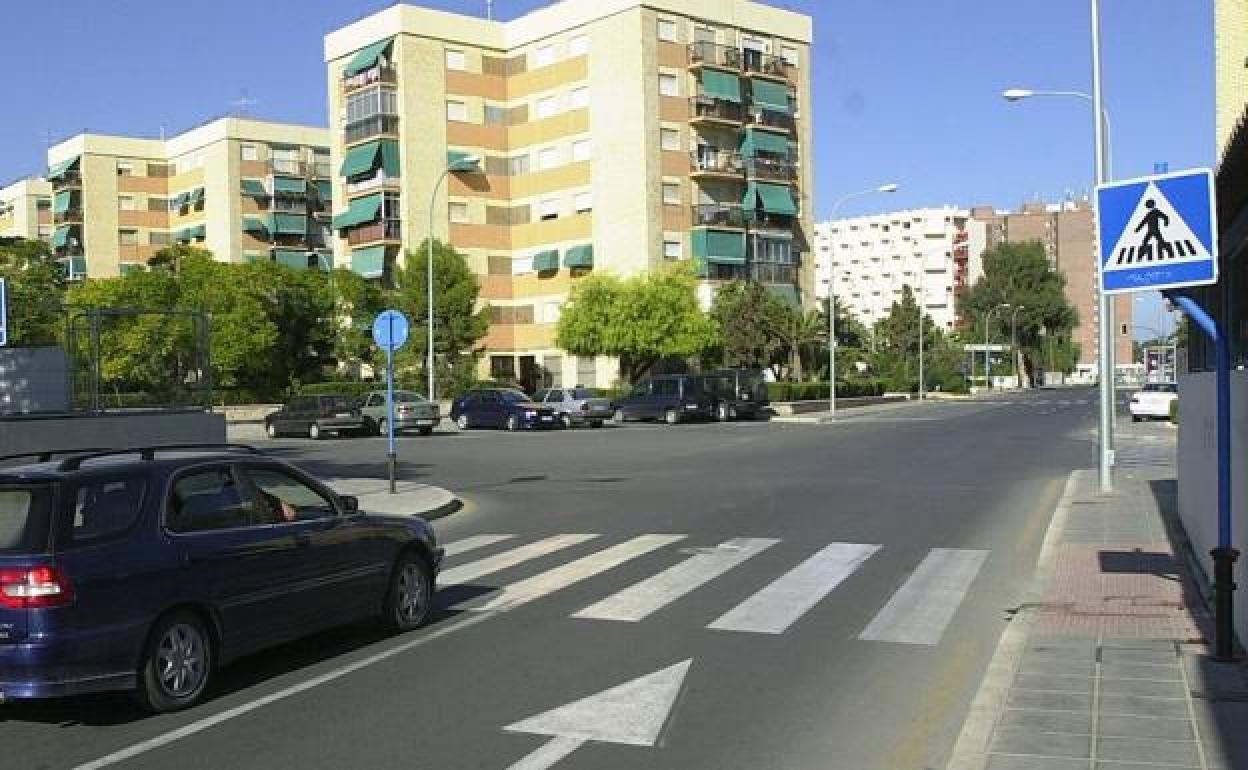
654	593
780	604
473	543
563	576
921	609
473	570
549	754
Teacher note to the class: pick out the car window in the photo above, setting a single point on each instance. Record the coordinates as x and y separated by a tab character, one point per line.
285	498
665	387
580	393
512	396
546	395
557	395
405	397
25	519
204	501
374	400
339	403
106	507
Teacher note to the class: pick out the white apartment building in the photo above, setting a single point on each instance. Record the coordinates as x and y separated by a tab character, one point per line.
867	260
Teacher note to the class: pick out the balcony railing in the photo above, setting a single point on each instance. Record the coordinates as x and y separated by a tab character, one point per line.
288	167
763	220
705	108
67	179
377	125
772	168
769	119
370	77
64	217
702	52
290	205
385	230
772	272
759	63
718	215
716	161
372	183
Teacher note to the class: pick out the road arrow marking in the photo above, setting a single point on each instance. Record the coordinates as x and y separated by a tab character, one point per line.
632	714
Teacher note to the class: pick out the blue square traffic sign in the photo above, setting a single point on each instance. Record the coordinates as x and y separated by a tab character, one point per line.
1157	232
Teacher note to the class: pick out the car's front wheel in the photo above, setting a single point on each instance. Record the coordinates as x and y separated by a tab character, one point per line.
566	419
176	665
722	413
314	432
513	423
271	429
426	430
411	594
382	425
461	422
671	417
618	417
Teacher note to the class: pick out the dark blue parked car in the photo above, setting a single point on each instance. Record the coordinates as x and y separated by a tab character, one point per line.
147	569
501	408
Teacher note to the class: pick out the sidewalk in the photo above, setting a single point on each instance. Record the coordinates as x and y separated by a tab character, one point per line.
410	498
1107	665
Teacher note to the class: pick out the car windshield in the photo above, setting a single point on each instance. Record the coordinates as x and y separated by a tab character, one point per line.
339	402
407	397
579	393
513	396
541	395
25	516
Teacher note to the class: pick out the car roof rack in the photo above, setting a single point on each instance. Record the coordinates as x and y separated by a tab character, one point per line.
47	454
75	462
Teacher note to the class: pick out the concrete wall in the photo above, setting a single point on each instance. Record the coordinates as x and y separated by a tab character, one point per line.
38	433
33	380
1198	475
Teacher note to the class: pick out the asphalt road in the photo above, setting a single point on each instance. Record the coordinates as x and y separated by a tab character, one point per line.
828	597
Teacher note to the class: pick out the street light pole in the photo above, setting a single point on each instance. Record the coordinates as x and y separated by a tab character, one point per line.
1018	374
468	163
886	188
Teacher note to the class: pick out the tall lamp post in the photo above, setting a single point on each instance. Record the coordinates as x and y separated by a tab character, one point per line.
1018	372
988	353
884	188
467	164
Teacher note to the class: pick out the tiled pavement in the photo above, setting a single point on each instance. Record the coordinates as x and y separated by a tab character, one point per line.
1114	671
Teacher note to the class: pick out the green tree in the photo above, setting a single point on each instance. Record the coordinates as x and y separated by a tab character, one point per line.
745	313
641	320
358	301
800	333
1019	274
897	342
36	290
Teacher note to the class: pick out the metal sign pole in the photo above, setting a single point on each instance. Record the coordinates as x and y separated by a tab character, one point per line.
391	454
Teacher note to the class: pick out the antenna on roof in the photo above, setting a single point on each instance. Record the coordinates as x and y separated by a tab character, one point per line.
243	104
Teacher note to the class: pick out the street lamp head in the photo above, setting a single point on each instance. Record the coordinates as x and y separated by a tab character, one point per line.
887	188
1016	94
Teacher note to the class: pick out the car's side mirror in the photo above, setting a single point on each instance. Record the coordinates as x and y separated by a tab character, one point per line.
350	503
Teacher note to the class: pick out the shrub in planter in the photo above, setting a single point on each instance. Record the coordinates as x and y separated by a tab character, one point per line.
1174	411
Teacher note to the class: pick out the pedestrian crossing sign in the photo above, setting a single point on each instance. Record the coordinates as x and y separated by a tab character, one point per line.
1157	232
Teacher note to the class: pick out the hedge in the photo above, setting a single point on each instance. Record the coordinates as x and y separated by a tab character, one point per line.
814	391
1174	411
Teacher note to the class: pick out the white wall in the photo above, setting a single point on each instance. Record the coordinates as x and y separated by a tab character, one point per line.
1198	475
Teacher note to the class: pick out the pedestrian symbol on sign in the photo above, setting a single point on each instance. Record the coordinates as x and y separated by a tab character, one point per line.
1155	234
1153	221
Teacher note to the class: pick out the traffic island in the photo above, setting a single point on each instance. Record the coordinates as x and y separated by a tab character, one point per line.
410	498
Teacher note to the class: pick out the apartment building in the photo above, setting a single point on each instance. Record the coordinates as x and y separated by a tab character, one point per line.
244	189
26	209
612	136
1068	233
867	260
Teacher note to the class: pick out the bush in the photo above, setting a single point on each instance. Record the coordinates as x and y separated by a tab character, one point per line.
816	391
1174	411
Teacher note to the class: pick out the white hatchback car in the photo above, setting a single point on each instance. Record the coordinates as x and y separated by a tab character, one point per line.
1153	400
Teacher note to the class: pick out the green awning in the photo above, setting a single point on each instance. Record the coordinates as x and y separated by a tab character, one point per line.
367	57
60	202
774	198
459	161
255	225
289	224
324	190
192	232
254	188
365	158
546	260
324	260
179	200
763	141
296	258
579	256
724	86
60	237
786	293
130	267
57	171
359	211
719	246
369	262
195	196
771	96
289	185
390	158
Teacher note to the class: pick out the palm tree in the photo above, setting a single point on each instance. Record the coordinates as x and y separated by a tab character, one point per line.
800	331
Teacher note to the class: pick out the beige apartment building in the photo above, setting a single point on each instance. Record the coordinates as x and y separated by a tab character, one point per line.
1068	233
612	136
244	189
26	209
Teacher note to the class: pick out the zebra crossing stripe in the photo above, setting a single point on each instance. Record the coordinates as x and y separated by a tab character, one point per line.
498	562
656	592
780	604
548	582
924	605
473	543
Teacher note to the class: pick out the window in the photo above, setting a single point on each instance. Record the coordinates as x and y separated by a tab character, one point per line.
106	507
546	106
522	265
550	312
495	116
548	209
789	54
363	105
518	165
669	85
459	213
578	46
457	111
586	370
579	98
545	56
207	501
584	201
547	158
455	60
669	138
125	168
502	368
582	149
671	193
159	239
286	499
249	152
126	203
671	249
667	30
128	237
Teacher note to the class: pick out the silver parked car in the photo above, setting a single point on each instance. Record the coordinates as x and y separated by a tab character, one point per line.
576	406
411	411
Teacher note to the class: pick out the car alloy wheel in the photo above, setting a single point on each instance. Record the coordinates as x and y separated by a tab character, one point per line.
177	665
411	594
271	429
566	420
314	431
721	413
462	422
618	417
671	417
513	424
381	426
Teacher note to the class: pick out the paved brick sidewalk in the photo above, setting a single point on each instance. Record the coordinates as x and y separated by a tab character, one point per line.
1108	668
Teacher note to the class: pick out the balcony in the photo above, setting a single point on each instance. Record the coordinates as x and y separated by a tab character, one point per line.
765	65
716	111
373	183
371	128
70	216
718	215
704	54
772	272
712	160
763	220
370	77
769	119
772	169
67	180
385	230
288	167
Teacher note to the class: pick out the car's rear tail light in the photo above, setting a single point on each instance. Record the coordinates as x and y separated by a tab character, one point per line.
34	588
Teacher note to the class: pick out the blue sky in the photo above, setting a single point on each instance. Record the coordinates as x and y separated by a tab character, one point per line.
906	90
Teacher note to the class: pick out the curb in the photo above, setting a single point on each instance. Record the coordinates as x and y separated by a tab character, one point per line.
446	509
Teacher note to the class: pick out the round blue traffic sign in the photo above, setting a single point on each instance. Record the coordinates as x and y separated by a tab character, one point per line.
390	330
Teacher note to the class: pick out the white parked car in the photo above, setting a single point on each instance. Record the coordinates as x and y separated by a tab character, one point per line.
1153	400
